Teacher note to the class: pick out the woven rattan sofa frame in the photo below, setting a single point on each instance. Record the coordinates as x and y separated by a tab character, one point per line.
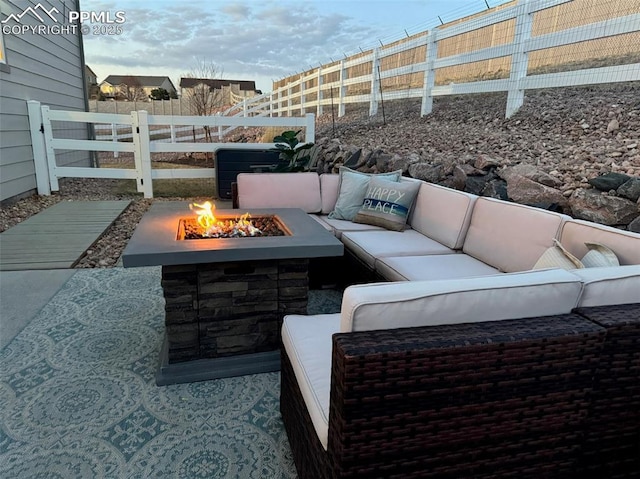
493	399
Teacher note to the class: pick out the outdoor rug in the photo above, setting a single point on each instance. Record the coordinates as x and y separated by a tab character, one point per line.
78	397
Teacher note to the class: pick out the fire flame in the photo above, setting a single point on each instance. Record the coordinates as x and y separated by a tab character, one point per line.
215	228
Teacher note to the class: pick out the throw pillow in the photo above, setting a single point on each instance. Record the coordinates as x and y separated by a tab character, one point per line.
387	203
351	190
599	255
558	257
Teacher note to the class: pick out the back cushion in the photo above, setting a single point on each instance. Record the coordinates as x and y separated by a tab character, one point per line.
329	188
442	214
624	244
469	300
509	236
280	190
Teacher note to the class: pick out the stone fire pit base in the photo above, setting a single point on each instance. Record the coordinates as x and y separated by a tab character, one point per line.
224	319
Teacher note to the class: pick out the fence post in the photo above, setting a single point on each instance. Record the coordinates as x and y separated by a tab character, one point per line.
319	107
301	96
114	137
50	152
141	153
429	73
310	134
342	90
39	147
373	102
519	58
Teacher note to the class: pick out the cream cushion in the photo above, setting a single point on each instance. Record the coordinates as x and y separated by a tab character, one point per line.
340	226
369	245
280	190
599	256
308	342
509	236
442	214
557	256
625	244
610	285
329	188
452	301
432	267
323	223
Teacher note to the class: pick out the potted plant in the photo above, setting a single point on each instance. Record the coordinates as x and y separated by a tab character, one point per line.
294	156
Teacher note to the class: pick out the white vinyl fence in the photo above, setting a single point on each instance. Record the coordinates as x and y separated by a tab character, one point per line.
329	85
45	144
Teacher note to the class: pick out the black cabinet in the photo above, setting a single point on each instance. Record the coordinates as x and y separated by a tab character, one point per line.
230	162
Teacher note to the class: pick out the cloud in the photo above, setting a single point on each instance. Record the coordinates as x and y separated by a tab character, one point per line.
266	40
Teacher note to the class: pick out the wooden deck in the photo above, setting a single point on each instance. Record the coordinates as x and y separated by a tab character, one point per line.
58	236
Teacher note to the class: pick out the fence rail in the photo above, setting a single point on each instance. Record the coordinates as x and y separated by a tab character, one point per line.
138	123
523	33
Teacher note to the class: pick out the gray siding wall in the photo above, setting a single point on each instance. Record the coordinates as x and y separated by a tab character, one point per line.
46	68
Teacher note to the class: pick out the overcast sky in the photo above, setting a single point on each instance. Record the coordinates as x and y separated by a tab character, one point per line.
260	40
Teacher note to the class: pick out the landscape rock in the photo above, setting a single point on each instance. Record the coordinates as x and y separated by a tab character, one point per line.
613	125
591	205
400	162
426	172
526	191
530	172
634	226
630	189
609	181
484	162
496	188
459	178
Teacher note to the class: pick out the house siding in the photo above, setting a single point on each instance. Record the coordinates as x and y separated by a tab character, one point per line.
46	68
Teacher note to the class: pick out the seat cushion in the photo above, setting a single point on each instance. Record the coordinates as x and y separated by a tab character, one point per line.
325	225
442	214
280	190
509	236
610	285
451	301
432	267
625	244
340	226
307	340
369	245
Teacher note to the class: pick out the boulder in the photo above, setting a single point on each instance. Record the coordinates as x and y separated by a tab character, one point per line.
530	172
609	181
484	162
630	189
526	191
591	205
353	159
496	188
459	179
403	162
426	172
634	226
475	184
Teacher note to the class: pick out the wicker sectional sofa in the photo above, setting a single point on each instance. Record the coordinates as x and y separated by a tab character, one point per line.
460	360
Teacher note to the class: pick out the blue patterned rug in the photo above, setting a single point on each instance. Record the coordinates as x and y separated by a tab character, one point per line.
78	397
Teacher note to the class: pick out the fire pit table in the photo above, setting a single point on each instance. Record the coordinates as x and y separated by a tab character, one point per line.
226	296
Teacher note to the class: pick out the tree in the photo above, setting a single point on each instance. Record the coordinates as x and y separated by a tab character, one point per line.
201	97
131	90
162	94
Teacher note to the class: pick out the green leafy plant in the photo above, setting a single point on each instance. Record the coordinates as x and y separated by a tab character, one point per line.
292	152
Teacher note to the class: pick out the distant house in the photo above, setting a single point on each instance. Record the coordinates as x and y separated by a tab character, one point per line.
133	87
229	90
46	68
91	80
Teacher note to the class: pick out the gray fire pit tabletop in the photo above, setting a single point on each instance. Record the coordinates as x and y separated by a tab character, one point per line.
155	242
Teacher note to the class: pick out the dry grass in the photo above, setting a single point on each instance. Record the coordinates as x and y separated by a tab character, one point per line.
167	188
